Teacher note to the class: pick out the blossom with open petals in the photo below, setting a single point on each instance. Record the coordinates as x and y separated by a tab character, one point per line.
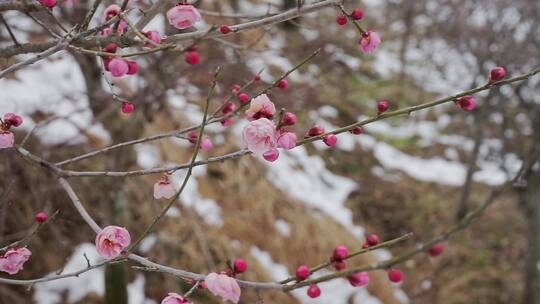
223	286
13	260
111	241
369	42
260	136
164	188
174	298
260	106
183	16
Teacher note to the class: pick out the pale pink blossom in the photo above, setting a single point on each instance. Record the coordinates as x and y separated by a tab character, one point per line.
174	298
183	16
164	188
223	286
111	241
287	140
13	260
118	67
206	144
260	106
260	136
111	11
369	42
7	139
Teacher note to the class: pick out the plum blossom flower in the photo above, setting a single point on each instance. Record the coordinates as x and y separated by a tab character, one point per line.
111	241
13	260
154	36
287	140
7	139
183	16
260	136
111	11
174	298
369	42
223	286
118	67
467	103
260	106
206	144
164	188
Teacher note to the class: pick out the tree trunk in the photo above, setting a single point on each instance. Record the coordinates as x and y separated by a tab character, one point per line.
530	199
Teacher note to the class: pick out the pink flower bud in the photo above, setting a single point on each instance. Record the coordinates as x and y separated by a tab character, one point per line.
359	279
13	119
287	140
302	273
339	265
243	98
313	291
193	58
224	29
382	106
133	68
227	122
235	88
183	16
330	140
357	14
257	77
118	67
127	107
372	239
41	217
341	20
229	107
7	139
289	119
192	136
240	266
111	241
467	103
271	155
357	130
436	250
206	144
395	275
316	130
340	253
283	84
48	3
111	48
154	36
369	42
497	74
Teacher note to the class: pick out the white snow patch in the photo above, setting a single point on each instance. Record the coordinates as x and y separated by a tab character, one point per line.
283	227
147	243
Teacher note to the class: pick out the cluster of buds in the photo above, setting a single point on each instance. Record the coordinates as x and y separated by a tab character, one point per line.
7	138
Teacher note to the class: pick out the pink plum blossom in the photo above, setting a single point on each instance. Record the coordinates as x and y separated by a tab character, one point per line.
206	144
111	241
118	67
13	260
260	106
111	11
7	139
287	140
223	286
174	298
369	42
260	136
359	279
183	16
164	188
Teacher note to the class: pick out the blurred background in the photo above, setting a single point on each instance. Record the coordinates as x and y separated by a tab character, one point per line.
416	174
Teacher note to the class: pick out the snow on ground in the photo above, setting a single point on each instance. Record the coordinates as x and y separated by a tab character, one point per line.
336	291
76	288
283	227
